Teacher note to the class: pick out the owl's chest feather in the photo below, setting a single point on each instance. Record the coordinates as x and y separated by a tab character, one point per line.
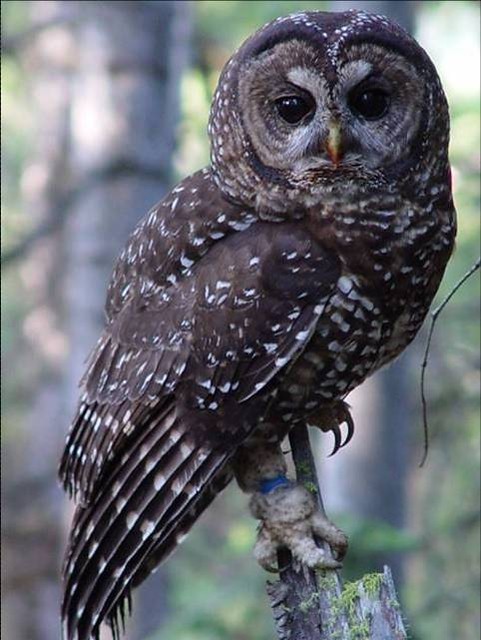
377	308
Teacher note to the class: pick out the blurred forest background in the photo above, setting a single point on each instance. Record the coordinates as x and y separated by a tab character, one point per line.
105	107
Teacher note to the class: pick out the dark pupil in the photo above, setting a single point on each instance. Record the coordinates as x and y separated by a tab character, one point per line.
370	103
292	108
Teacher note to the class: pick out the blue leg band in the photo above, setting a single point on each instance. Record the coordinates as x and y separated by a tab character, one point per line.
269	484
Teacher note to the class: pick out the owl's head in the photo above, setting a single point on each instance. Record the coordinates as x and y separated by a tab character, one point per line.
318	102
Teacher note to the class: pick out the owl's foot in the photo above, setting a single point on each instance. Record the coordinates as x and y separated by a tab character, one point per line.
330	419
290	518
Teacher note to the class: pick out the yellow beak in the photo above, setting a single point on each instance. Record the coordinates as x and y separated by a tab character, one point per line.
334	143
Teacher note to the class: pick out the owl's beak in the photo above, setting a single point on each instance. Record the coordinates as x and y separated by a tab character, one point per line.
334	143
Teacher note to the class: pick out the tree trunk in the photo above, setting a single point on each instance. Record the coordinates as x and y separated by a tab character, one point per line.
105	81
125	110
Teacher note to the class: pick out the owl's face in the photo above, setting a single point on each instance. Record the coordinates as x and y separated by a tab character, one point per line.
364	116
316	101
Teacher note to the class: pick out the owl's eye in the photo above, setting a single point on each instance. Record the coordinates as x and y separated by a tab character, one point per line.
293	109
371	104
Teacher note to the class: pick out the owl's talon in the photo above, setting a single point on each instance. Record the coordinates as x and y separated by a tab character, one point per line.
336	432
290	518
349	422
339	443
330	419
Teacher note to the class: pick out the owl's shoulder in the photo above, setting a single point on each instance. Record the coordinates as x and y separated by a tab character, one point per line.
172	236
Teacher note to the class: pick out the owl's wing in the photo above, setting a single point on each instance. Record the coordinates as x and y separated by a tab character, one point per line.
245	311
249	306
153	497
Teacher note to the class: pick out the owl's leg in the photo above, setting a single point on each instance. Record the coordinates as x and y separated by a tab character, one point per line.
289	515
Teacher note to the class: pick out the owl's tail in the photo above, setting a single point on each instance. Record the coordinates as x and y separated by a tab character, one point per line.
155	496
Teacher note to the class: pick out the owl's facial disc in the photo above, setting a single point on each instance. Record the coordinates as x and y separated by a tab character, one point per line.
359	115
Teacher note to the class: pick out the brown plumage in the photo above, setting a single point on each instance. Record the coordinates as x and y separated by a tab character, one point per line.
260	291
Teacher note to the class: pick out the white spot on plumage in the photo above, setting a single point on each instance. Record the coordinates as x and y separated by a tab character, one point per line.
367	304
177	486
131	519
174	435
118	572
147	527
179	369
302	335
181	537
186	449
149	464
92	549
270	347
334	346
159	481
345	284
186	262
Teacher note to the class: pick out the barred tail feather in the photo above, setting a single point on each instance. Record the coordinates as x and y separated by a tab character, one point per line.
162	544
155	494
98	431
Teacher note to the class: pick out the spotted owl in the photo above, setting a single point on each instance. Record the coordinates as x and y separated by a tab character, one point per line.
256	295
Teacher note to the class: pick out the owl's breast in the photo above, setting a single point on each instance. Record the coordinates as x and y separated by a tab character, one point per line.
355	336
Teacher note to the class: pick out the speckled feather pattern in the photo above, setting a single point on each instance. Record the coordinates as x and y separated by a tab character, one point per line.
252	297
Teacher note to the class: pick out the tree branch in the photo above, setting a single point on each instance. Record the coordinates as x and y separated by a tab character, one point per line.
317	606
434	317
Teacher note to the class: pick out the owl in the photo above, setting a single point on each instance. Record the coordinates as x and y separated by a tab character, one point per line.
255	296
